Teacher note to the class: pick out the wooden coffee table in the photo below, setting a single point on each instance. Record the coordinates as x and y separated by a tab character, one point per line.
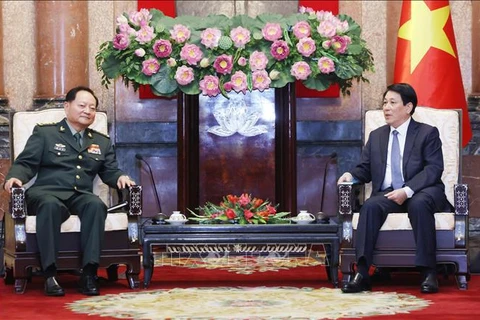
234	236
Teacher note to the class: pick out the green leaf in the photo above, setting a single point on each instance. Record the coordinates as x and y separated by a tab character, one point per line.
111	67
319	84
163	82
283	80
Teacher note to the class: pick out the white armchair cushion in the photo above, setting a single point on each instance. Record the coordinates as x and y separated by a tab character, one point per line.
114	221
23	124
400	221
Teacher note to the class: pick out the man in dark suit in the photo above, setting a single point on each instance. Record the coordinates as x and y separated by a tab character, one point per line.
406	177
66	156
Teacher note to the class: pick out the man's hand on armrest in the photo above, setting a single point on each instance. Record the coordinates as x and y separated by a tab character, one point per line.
10	183
345	178
125	181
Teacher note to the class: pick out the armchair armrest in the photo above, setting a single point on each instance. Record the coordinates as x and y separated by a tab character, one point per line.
461	214
345	210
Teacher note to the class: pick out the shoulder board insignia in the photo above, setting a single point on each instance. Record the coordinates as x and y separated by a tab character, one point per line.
43	124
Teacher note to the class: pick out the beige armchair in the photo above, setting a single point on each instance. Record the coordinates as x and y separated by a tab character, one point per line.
396	245
121	245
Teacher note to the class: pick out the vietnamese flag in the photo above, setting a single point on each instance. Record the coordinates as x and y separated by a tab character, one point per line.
427	58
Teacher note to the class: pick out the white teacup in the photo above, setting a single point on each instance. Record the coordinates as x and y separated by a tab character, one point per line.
177	216
305	215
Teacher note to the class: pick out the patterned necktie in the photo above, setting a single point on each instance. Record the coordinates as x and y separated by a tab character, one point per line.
395	161
78	138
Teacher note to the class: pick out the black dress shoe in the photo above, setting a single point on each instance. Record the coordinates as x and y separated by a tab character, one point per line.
358	284
88	285
52	288
430	284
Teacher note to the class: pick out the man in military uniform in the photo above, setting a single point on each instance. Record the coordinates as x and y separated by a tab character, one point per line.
66	157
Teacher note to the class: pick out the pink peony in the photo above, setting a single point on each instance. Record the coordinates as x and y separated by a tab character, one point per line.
191	53
301	29
300	70
140	18
126	29
210	37
240	37
223	64
326	65
279	50
239	82
258	60
272	31
340	44
180	33
121	41
306	46
162	48
150	66
260	80
145	34
327	29
209	86
184	75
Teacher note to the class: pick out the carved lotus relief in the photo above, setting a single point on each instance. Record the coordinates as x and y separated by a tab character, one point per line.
237	117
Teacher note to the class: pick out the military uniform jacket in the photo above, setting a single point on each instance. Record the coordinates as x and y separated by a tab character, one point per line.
62	167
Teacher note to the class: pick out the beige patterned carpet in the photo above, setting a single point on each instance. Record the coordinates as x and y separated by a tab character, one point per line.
247	303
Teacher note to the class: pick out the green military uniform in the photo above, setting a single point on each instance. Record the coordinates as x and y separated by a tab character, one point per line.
65	173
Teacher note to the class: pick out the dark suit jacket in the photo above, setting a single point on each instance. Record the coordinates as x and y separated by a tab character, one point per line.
422	160
62	166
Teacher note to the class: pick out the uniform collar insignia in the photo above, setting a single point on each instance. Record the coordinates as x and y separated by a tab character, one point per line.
62	128
90	134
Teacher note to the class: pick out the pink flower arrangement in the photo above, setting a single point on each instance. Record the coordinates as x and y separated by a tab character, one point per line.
217	55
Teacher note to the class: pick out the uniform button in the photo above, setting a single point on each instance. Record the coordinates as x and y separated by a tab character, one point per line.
80	157
75	187
77	176
58	153
78	167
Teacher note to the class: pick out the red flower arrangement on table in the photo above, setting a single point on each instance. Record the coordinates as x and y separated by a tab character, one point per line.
243	209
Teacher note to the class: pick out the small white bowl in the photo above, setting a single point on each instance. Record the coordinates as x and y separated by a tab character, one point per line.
302	221
176	222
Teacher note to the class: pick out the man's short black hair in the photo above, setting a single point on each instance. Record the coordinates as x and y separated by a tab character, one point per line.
72	94
406	92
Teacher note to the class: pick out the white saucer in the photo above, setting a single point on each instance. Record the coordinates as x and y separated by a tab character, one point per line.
302	221
176	222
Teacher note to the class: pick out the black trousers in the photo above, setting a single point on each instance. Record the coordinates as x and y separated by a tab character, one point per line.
421	208
51	212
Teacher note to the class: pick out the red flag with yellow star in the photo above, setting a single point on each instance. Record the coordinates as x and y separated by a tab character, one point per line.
427	58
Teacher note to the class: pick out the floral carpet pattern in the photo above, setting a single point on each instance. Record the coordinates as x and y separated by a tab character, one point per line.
221	303
247	264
